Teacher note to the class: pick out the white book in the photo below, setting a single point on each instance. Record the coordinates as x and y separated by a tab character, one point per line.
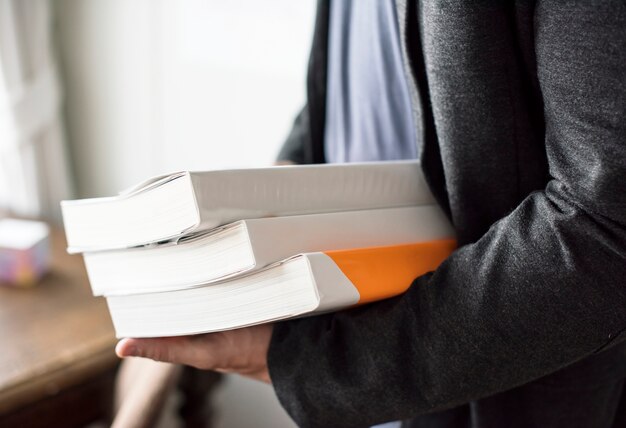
251	244
305	284
170	206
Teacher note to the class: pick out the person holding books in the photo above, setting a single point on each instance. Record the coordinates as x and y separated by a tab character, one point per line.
517	112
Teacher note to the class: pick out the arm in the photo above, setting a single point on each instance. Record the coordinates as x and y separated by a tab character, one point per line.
292	151
305	141
543	288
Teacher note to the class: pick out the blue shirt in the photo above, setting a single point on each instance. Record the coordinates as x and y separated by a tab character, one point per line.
368	109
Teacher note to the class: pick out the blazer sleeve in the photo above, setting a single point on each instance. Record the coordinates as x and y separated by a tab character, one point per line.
299	137
543	288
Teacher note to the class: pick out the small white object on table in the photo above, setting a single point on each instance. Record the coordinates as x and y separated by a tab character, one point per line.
24	251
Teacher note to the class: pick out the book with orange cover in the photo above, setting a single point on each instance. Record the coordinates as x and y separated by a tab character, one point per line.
305	284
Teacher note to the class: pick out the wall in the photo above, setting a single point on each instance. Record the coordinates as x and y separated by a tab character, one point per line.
153	86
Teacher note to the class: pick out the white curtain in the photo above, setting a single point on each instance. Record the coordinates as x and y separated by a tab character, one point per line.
33	167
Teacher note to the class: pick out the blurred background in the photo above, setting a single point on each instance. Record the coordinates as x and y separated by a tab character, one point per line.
96	95
100	94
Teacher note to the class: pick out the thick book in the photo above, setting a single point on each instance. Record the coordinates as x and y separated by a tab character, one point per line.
247	245
169	206
305	284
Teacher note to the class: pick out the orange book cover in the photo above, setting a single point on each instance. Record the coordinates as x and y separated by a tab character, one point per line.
382	272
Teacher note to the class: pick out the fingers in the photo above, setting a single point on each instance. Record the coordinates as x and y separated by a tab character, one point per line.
242	351
177	350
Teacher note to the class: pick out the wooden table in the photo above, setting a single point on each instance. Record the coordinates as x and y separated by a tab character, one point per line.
57	360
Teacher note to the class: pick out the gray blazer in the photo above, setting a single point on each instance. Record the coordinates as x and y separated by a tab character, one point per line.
521	115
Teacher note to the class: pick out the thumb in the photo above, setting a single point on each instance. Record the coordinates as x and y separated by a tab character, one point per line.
167	349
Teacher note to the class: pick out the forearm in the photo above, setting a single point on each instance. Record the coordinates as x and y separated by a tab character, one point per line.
542	289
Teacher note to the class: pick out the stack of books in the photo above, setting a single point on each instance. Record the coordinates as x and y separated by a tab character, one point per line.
197	252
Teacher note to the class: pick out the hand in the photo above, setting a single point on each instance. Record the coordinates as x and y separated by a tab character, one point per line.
242	351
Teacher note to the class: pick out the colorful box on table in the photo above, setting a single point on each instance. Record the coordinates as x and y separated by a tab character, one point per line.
24	252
